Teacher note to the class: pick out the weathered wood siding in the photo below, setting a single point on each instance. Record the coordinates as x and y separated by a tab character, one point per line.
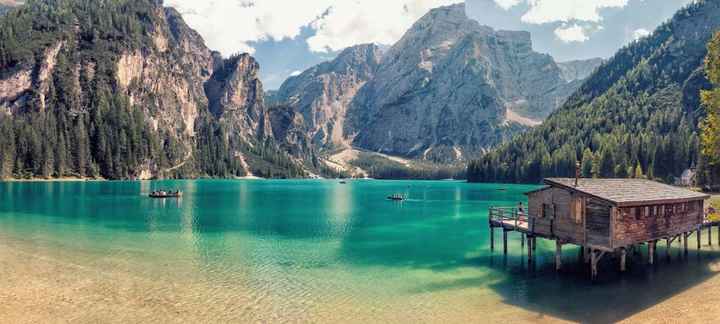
646	223
554	214
597	223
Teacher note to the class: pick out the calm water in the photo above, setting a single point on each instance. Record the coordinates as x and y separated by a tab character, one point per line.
322	251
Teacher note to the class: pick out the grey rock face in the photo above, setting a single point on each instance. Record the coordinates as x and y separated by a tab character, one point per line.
443	92
236	97
579	69
322	93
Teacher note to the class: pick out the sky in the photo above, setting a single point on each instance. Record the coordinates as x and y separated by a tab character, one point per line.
288	36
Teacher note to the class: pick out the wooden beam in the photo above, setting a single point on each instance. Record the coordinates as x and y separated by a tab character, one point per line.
699	234
685	243
667	249
534	243
558	255
623	255
710	235
593	265
588	251
492	238
505	241
530	244
651	252
522	240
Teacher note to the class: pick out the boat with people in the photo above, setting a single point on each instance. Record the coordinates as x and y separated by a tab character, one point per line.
397	197
165	194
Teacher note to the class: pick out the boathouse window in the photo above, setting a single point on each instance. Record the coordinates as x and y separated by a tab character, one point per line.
548	211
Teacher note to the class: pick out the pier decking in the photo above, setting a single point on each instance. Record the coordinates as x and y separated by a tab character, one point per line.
605	216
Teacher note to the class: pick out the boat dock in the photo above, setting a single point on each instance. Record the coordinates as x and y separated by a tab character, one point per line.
605	217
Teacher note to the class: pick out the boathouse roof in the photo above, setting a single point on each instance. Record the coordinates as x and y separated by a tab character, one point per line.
628	192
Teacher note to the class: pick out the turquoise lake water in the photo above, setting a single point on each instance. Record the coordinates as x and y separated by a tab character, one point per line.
321	251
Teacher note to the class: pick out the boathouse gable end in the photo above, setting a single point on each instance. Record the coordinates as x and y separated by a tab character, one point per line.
613	213
603	216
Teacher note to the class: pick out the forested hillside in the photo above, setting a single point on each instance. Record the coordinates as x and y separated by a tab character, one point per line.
116	89
637	115
710	173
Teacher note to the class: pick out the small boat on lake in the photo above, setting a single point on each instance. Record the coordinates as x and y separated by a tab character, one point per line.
165	194
343	182
396	197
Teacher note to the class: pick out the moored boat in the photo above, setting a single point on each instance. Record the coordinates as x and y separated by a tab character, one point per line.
165	194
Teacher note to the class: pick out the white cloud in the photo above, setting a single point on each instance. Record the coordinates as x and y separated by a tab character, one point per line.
640	33
571	33
564	12
232	25
507	4
547	11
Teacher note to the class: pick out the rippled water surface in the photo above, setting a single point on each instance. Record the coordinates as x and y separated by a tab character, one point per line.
319	251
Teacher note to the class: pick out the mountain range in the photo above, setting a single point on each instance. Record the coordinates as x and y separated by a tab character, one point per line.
124	89
450	89
636	115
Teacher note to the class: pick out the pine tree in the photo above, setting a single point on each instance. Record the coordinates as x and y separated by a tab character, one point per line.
711	125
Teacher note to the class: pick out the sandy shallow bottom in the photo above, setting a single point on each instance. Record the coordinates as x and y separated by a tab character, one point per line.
42	285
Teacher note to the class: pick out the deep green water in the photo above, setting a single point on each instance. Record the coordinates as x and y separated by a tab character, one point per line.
305	244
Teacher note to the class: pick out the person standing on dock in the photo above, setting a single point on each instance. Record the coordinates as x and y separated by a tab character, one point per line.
521	209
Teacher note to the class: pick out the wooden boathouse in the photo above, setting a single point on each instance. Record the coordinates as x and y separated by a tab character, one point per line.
603	216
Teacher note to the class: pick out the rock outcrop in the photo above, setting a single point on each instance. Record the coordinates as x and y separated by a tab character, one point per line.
146	99
322	93
579	69
443	92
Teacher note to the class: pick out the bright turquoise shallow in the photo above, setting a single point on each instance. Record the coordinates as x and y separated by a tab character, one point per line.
321	250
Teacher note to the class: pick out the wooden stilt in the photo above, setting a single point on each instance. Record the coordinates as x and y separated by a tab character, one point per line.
699	234
522	240
710	235
530	243
558	255
595	257
534	243
504	241
651	252
685	243
581	254
492	238
588	251
667	250
593	265
623	255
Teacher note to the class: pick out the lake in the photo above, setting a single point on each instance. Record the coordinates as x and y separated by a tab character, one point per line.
300	251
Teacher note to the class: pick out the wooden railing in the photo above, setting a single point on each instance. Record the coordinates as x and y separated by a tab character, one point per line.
507	214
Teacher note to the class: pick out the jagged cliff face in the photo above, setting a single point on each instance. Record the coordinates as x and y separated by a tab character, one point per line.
579	69
197	108
322	94
166	79
237	99
451	88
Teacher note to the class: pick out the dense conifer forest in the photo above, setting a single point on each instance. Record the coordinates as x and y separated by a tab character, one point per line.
81	127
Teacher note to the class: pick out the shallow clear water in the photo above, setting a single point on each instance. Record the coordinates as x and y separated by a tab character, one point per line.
324	251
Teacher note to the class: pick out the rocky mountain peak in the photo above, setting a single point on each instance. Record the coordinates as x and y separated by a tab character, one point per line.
452	88
322	93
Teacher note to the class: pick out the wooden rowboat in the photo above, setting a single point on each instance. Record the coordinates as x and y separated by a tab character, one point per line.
160	194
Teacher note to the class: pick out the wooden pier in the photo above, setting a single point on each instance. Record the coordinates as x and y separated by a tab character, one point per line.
605	217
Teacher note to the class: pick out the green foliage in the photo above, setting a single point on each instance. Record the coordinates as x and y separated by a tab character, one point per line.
85	126
710	174
380	167
638	111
